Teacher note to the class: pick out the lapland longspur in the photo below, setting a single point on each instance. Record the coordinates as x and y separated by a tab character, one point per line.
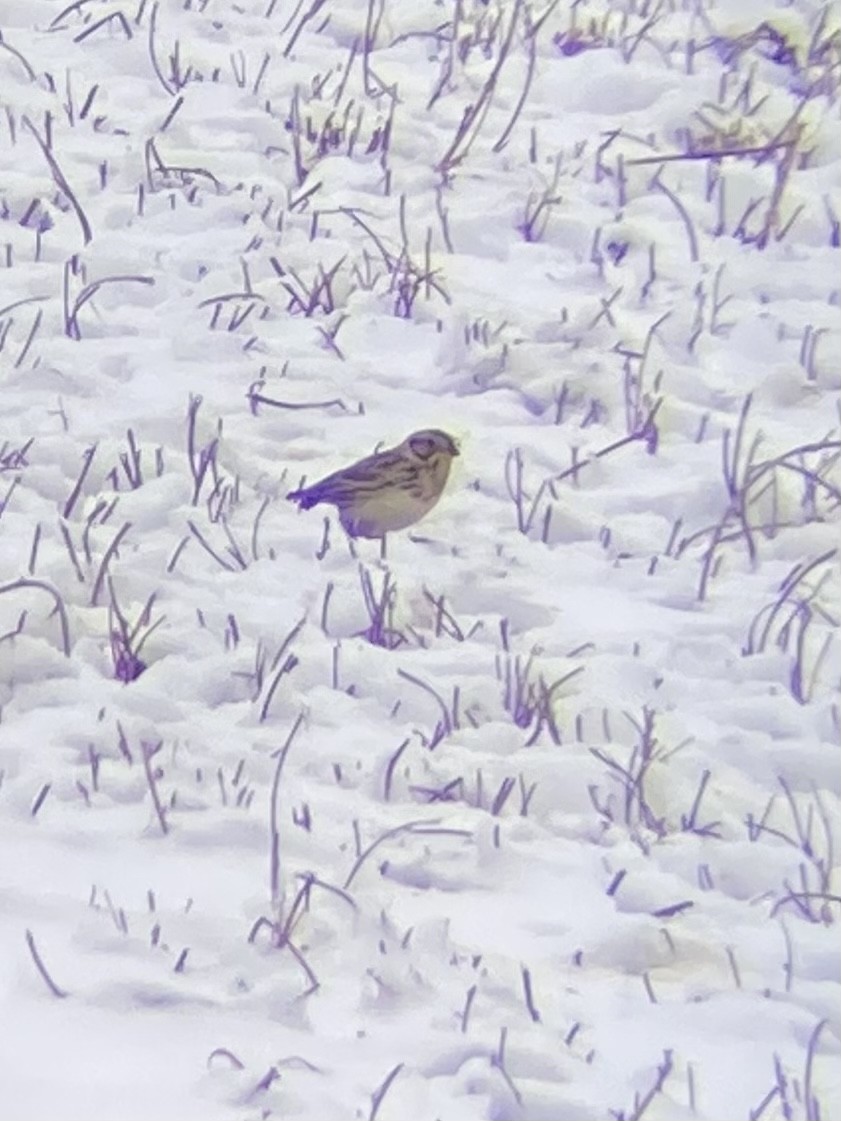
387	491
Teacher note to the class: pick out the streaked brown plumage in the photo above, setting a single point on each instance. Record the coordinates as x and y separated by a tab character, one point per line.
387	491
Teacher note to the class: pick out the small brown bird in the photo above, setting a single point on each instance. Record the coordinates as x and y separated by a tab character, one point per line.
390	490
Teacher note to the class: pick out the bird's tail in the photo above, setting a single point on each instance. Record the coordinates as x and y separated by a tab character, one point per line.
306	497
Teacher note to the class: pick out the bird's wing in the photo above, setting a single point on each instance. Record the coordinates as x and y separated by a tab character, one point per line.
367	477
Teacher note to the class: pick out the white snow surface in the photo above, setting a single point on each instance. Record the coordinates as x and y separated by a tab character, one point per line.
590	717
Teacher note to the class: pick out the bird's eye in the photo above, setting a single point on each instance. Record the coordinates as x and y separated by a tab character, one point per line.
422	446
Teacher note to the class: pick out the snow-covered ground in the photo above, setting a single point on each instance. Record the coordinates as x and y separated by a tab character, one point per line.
536	819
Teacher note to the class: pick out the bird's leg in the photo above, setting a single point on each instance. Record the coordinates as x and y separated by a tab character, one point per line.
383	548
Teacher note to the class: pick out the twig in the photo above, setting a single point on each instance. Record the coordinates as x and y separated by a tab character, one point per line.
710	154
71	326
106	558
60	609
529	997
380	1093
148	751
42	969
59	179
274	853
414	827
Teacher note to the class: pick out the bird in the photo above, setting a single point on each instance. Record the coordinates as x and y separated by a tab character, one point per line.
389	490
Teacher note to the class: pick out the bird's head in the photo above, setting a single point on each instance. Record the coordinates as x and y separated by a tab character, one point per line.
430	443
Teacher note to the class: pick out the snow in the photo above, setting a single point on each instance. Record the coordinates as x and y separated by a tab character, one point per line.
289	832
